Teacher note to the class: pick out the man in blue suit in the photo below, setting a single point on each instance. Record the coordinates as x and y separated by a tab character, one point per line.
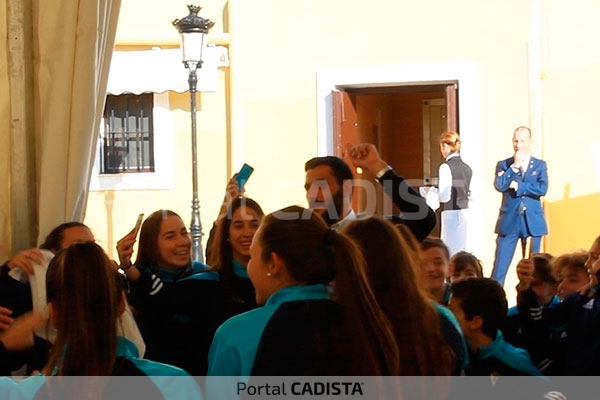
522	180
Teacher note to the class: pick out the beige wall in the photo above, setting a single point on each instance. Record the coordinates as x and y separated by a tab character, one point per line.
112	213
570	106
270	116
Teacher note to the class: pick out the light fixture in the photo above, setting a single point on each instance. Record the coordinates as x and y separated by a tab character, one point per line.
193	30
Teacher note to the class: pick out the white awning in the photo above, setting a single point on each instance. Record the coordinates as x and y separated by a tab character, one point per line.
161	70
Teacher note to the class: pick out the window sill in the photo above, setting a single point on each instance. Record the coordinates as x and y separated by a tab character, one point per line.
130	181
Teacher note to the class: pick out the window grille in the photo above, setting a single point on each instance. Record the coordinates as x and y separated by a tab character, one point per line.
127	137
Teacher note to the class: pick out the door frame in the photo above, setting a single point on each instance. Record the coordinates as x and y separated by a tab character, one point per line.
467	76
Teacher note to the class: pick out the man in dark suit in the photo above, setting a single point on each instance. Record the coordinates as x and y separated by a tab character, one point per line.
522	180
329	181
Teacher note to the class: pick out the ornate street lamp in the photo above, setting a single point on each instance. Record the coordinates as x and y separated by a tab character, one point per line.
193	28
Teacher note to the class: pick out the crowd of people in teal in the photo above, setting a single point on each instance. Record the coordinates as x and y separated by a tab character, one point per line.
317	291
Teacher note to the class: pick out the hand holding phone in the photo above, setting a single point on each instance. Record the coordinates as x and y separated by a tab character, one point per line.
243	175
125	244
138	223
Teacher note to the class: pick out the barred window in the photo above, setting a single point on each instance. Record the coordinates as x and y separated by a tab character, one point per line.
127	137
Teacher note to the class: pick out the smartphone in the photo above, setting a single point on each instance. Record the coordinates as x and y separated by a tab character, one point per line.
138	223
243	175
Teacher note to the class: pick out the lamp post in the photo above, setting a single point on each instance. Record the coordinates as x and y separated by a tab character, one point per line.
193	28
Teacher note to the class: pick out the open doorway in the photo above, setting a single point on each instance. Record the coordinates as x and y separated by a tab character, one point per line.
404	122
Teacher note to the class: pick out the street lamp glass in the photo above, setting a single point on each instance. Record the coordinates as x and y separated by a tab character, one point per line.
192	44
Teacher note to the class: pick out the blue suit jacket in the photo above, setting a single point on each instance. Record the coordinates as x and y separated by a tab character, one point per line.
532	185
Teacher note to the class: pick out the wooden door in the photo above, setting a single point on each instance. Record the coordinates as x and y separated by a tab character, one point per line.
392	125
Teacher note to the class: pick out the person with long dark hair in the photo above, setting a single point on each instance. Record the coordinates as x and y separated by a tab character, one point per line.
230	253
85	296
22	290
419	323
300	329
176	307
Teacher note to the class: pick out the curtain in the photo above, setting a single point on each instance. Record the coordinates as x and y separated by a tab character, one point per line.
73	43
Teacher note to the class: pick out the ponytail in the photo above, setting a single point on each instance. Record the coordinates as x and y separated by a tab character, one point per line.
315	254
365	319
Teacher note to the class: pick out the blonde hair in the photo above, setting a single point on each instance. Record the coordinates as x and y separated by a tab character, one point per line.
452	139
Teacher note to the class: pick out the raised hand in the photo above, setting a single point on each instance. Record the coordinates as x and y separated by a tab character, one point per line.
518	159
525	271
125	247
366	156
25	259
232	191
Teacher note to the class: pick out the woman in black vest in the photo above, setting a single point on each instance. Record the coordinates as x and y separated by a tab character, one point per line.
452	193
